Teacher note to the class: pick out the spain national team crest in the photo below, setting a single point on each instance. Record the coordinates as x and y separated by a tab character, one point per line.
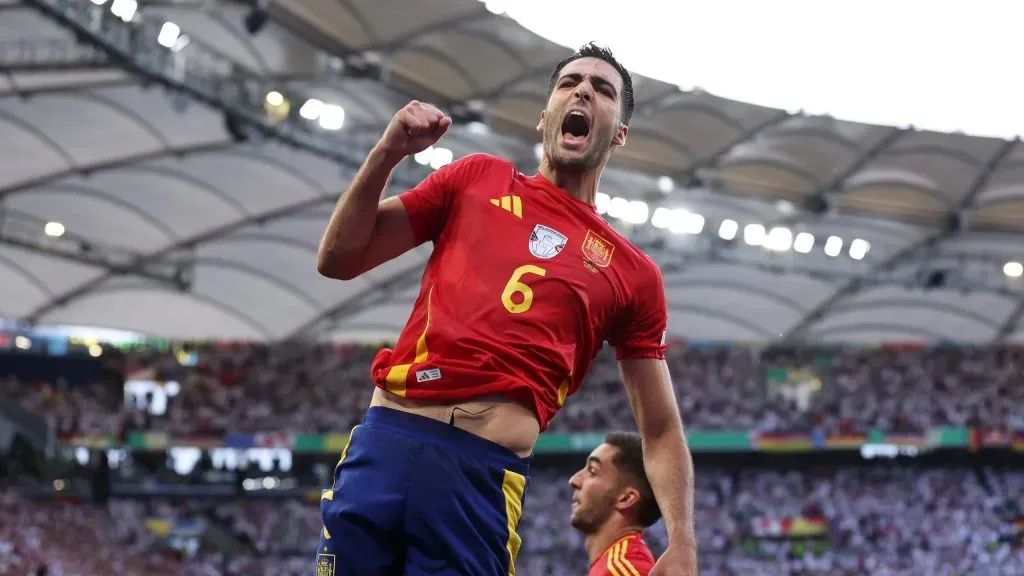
325	565
597	250
546	242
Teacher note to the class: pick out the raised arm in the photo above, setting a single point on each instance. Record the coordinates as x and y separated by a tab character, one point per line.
640	347
365	232
666	458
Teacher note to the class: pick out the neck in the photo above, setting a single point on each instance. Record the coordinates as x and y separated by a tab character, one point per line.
582	185
609	534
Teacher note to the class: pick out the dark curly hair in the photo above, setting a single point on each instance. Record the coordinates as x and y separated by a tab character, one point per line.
592	50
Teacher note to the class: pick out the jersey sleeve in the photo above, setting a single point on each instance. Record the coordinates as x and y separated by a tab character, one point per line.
430	202
642	330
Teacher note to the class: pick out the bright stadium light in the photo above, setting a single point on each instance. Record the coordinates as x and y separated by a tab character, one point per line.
753	234
833	246
930	82
311	109
1013	269
332	117
440	157
803	243
54	229
423	158
617	207
168	35
779	239
728	229
666	185
636	212
859	249
124	9
661	218
601	202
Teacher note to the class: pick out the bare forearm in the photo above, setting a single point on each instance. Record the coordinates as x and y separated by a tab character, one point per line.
354	220
670	469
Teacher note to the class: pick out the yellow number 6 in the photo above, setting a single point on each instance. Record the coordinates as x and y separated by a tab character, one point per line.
514	286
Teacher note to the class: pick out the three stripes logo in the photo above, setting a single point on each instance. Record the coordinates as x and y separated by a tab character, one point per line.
513	204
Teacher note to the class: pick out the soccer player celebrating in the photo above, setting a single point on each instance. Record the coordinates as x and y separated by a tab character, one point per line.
525	283
612	505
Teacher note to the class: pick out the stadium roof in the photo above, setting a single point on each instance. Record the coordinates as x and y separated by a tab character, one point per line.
140	186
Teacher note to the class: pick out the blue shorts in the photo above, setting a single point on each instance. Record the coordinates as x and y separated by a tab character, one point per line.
413	496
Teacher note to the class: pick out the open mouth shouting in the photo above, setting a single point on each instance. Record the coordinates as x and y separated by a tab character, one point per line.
575	128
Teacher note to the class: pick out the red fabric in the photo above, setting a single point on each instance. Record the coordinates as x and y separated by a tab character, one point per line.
628	556
596	287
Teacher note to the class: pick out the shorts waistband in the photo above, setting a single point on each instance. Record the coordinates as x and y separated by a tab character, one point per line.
429	430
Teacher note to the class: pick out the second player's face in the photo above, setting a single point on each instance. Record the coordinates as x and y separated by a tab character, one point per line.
582	121
594	490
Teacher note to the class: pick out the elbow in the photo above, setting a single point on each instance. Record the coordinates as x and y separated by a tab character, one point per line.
334	268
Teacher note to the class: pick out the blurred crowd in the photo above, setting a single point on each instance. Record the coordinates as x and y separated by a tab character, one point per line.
880	520
314	389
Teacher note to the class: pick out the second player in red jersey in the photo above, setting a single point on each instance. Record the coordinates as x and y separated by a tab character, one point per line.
612	505
524	286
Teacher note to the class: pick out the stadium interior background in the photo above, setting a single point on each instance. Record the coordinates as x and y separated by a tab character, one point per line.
176	381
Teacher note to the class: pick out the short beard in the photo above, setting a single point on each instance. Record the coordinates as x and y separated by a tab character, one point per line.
589	523
592	159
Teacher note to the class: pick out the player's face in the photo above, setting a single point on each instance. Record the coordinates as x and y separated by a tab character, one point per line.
582	121
595	489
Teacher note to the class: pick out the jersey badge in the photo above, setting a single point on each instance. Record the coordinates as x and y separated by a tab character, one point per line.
325	565
546	242
597	250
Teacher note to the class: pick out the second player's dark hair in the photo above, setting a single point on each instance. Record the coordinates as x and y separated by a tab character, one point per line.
630	461
592	50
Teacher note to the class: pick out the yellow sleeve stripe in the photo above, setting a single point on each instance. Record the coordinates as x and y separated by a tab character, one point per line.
625	566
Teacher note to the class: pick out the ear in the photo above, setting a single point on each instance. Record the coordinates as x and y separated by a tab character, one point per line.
628	498
540	124
620	136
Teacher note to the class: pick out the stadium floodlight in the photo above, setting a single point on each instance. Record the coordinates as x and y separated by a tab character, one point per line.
833	246
683	221
1013	269
803	243
124	9
332	117
753	234
661	218
601	202
168	35
859	248
938	95
727	229
636	212
311	109
54	229
423	157
666	185
441	157
617	207
538	150
779	239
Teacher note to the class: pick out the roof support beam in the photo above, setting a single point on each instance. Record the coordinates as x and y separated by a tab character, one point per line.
49	55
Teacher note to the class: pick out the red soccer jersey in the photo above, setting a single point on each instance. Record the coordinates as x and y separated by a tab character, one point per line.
628	556
524	285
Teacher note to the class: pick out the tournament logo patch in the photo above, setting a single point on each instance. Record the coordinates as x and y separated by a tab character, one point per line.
597	250
325	565
546	242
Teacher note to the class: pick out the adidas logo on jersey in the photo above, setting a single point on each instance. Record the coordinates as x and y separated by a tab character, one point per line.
513	204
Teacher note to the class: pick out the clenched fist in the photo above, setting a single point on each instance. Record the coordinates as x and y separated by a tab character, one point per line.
414	128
